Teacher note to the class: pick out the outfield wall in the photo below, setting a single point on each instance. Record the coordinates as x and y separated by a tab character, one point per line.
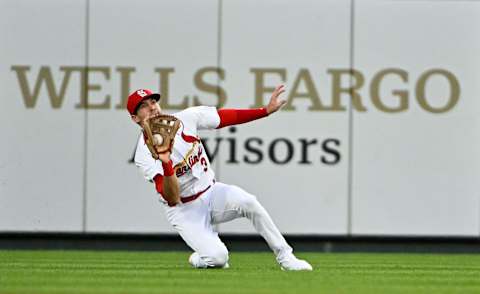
380	136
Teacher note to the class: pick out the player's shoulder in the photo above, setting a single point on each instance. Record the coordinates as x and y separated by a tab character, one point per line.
194	111
141	150
195	114
141	139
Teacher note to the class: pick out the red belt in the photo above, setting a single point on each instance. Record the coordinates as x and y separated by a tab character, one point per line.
195	196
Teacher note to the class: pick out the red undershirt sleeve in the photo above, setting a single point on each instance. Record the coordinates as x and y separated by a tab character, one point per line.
230	117
158	179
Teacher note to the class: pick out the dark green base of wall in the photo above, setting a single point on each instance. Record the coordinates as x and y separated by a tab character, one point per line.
167	242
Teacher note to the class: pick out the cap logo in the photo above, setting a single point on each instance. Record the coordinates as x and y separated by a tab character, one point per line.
141	93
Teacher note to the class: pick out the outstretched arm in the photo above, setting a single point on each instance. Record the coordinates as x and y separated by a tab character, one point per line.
229	117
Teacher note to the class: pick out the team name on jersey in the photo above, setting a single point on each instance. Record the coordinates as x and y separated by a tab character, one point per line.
186	165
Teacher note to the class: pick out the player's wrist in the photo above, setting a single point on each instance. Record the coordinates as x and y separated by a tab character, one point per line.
168	169
265	111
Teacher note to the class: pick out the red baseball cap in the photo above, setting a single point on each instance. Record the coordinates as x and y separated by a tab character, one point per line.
138	96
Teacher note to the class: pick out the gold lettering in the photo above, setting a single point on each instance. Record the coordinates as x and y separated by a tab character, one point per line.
454	90
260	88
164	83
203	86
86	88
44	77
357	81
311	93
125	73
401	94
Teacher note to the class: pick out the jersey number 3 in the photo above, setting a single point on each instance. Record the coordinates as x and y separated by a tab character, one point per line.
203	161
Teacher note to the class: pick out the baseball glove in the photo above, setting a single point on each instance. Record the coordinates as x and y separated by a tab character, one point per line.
160	131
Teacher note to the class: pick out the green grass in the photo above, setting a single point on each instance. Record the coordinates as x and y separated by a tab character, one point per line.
168	272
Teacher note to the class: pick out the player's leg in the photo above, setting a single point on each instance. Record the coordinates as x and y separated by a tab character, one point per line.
193	222
230	202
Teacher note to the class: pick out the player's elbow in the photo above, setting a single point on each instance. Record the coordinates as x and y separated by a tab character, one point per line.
172	197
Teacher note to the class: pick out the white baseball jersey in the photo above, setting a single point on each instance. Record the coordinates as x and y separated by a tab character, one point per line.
189	158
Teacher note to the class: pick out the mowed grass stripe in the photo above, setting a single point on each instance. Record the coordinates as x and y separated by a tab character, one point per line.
169	272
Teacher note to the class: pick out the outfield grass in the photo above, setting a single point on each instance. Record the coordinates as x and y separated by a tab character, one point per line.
168	272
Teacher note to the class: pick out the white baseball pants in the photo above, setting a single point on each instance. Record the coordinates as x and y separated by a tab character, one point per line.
222	203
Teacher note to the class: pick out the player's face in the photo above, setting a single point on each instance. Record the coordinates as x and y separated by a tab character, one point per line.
147	108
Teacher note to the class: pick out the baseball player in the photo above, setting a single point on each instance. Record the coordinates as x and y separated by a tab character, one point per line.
193	201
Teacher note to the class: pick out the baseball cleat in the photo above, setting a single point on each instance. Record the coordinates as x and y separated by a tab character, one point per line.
291	263
194	260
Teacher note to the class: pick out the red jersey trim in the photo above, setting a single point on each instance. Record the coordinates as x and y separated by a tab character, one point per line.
189	139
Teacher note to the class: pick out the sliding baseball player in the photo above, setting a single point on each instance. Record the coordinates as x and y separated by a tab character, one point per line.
171	155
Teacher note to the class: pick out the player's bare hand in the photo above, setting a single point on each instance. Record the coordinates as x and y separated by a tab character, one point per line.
275	102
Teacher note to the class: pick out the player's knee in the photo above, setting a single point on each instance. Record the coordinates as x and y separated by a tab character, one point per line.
250	204
218	257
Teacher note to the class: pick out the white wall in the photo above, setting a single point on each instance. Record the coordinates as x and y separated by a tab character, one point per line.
42	149
417	172
411	172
